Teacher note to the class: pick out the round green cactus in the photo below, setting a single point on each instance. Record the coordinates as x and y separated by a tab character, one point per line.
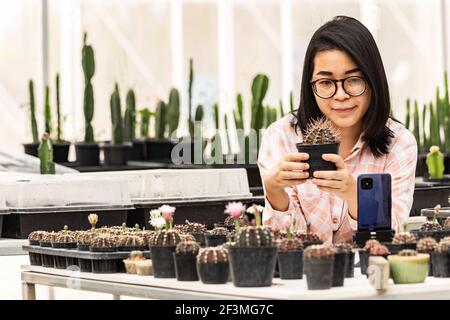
254	237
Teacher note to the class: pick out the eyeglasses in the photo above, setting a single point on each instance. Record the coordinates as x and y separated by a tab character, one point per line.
326	88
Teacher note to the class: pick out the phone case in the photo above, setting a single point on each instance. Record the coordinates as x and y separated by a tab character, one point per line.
374	204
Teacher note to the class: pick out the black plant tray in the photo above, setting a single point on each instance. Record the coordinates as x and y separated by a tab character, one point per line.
102	262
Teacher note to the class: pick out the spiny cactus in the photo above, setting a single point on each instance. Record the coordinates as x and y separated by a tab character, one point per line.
88	64
404	238
192	227
435	163
187	237
407	253
145	122
58	111
130	241
130	117
432	225
173	111
160	120
318	251
34	130
45	152
443	247
49	237
116	116
320	131
289	245
219	231
212	255
85	238
254	237
104	241
306	237
37	235
379	250
187	248
165	238
426	245
370	244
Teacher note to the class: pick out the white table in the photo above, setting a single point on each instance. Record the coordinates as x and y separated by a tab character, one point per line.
119	284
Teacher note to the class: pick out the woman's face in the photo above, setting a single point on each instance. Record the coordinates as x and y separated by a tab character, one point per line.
344	110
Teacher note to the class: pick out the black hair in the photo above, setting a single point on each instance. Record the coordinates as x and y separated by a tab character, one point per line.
352	37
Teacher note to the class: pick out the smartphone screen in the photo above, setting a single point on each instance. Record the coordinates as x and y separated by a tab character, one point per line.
374	202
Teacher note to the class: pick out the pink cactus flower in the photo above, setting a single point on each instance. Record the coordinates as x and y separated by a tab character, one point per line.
167	212
234	209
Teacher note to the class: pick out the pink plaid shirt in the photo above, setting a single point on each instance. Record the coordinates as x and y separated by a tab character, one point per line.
328	214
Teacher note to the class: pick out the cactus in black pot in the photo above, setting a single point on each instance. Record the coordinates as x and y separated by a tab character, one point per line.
213	266
162	246
318	261
216	237
185	260
290	258
320	137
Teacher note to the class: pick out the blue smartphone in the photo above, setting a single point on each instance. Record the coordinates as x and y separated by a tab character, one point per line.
374	202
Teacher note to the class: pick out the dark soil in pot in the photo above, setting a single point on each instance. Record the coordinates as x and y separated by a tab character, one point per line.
214	240
186	267
88	154
441	264
163	262
319	273
339	268
290	264
252	266
214	273
31	149
350	271
116	154
315	161
61	151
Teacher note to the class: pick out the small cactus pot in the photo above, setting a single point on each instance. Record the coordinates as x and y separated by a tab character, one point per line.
88	154
396	248
213	273
441	264
290	264
61	151
185	267
252	266
31	149
137	151
319	273
315	161
214	240
35	259
115	155
339	268
350	270
163	261
85	265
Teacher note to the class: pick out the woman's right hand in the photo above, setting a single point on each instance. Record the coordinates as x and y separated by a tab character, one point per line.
286	173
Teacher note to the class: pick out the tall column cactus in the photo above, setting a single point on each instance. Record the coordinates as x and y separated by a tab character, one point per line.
446	103
416	129
130	117
34	130
259	89
160	120
47	111
116	117
408	114
190	86
145	121
173	111
88	64
58	111
238	113
45	152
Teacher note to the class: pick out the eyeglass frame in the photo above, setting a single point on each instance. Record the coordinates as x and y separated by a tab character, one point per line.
335	81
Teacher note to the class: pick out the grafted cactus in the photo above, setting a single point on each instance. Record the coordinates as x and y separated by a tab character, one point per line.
165	238
187	248
45	152
34	130
254	237
130	117
88	64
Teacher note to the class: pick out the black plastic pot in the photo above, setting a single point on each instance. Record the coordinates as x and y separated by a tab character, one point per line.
83	247
85	265
350	271
163	262
339	268
213	273
363	260
61	151
105	266
185	267
35	259
441	264
315	161
319	273
252	266
34	242
137	151
396	248
158	149
60	262
130	248
48	261
31	149
115	154
70	262
214	240
72	245
88	154
290	264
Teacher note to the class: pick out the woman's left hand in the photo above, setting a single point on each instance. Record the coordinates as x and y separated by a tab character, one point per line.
339	182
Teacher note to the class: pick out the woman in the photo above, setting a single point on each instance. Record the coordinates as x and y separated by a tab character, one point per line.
343	80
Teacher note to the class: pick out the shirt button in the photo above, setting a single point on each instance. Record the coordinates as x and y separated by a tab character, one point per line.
335	220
